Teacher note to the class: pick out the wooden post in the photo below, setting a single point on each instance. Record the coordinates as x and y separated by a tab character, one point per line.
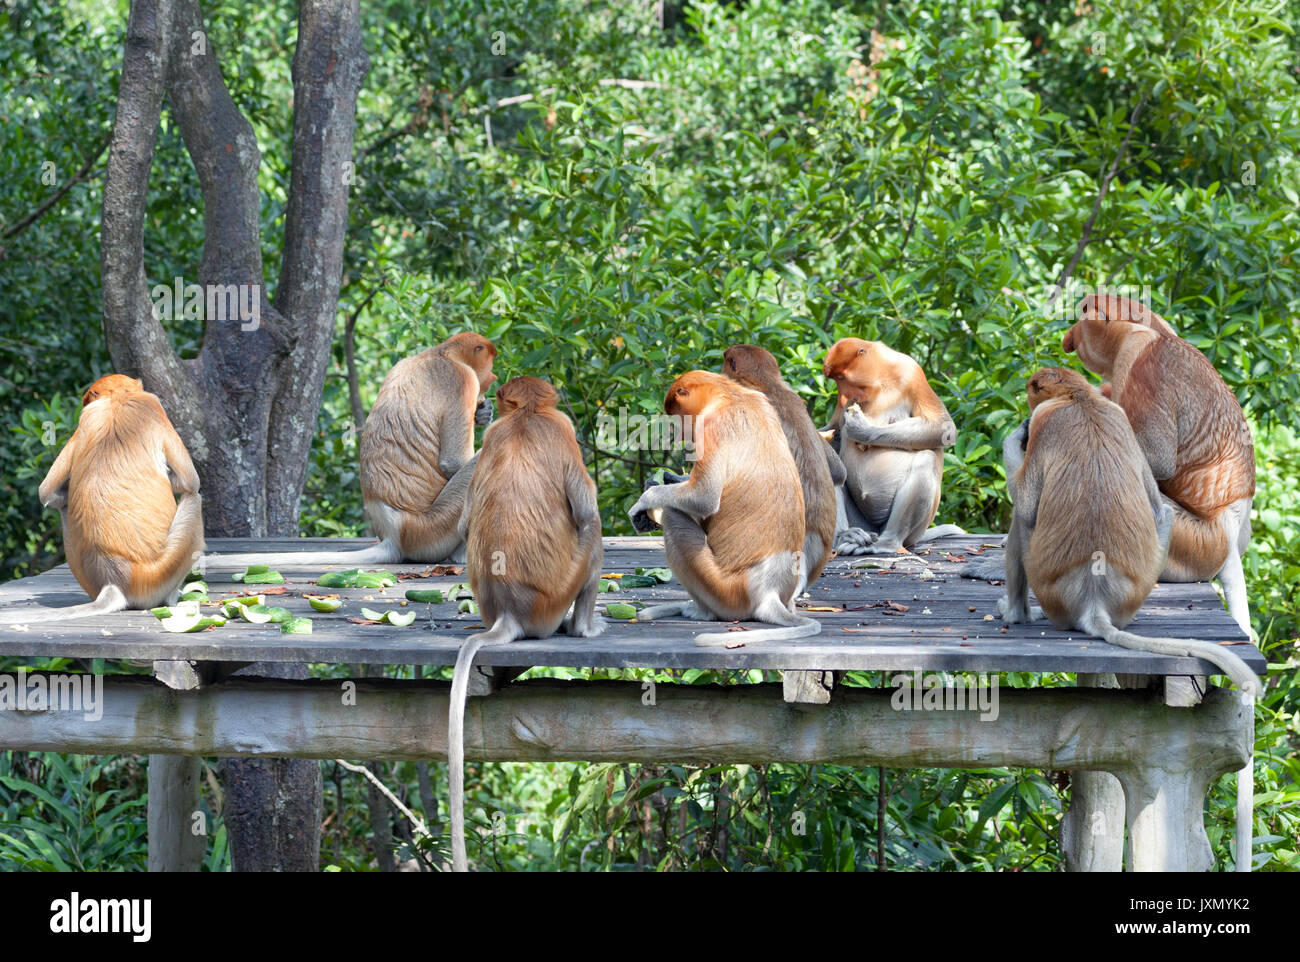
1092	829
174	846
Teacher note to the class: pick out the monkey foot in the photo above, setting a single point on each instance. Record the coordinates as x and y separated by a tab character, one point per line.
856	541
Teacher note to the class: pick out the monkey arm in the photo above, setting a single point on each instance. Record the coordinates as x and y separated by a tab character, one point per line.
700	497
1014	607
909	434
180	469
583	508
462	524
53	492
832	433
1013	456
457	434
838	472
1157	435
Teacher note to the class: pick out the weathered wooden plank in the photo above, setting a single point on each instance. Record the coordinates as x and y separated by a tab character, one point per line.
938	630
548	720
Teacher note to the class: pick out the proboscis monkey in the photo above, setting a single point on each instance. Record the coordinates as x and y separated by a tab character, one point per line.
128	495
532	530
1089	528
890	429
416	457
1192	431
734	530
820	468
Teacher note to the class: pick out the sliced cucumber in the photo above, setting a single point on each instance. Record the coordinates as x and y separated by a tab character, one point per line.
431	596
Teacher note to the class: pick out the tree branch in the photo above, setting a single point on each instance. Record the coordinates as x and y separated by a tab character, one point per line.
1086	234
329	64
19	226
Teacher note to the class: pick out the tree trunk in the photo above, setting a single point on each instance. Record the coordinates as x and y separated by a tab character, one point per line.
247	406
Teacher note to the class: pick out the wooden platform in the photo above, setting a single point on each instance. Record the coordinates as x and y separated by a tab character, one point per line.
896	613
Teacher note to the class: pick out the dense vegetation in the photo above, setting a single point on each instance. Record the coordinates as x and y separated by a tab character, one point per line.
614	193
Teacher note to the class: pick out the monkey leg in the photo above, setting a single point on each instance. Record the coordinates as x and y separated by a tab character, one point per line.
584	622
716	594
1197	547
434	535
1231	576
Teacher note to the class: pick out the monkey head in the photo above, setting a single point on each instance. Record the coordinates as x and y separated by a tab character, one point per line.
527	393
476	351
1104	321
751	363
854	365
111	384
1055	382
694	391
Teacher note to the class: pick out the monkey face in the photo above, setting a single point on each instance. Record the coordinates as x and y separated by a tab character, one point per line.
111	384
852	364
1088	335
478	352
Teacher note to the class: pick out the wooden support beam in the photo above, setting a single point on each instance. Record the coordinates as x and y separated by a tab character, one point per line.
807	687
1092	829
1165	758
174	845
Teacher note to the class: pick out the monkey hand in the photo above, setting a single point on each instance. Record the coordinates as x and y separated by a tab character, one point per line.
484	412
645	517
854	541
1017	614
857	428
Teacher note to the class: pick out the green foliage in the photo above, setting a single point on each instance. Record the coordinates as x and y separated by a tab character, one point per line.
614	204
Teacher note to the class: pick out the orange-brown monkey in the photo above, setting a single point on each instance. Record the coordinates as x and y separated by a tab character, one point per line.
532	530
1089	532
820	468
1089	528
416	457
890	429
1190	428
130	542
734	530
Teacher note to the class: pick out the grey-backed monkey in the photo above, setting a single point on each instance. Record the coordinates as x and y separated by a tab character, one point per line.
1089	528
128	495
416	457
890	429
532	531
1190	428
820	468
734	530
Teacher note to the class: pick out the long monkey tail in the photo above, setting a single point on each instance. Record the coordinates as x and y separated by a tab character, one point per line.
110	599
1232	665
506	629
386	552
800	628
1229	662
